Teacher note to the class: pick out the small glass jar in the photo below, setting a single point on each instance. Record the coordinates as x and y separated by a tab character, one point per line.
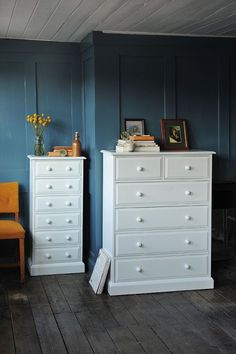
39	146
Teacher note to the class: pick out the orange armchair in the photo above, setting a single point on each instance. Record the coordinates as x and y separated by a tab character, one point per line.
12	229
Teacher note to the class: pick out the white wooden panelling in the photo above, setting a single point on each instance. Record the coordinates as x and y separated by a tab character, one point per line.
76	19
59	18
21	15
98	16
6	10
41	14
72	20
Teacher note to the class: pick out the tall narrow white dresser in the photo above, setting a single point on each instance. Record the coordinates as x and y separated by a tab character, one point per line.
56	215
157	220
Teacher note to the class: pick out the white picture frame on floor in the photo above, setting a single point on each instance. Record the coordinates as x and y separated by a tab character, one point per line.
100	271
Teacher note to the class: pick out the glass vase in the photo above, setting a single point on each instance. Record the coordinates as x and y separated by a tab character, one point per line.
39	146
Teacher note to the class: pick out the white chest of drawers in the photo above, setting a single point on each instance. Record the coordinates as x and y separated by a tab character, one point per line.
56	215
157	221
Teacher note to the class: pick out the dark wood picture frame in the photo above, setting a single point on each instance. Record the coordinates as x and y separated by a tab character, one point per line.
135	126
174	134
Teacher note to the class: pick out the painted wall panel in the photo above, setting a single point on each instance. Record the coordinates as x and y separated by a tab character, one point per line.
142	90
197	99
12	122
55	96
35	77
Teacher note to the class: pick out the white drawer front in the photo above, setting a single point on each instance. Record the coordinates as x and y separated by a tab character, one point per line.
167	192
156	268
167	217
138	168
57	203
186	167
51	238
166	242
58	168
54	255
54	186
50	221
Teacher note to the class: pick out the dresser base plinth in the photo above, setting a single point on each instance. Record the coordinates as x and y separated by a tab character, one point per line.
55	268
155	286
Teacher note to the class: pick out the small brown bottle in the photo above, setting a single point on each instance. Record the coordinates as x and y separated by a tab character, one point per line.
76	146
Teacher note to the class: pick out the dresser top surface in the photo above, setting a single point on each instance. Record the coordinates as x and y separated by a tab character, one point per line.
176	153
57	158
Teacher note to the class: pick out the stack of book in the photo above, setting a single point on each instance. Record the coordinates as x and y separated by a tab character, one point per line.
60	151
144	143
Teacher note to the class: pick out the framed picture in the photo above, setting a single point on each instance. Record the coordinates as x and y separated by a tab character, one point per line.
135	126
174	134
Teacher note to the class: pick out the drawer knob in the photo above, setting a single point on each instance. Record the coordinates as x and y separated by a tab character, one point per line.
139	269
138	219
68	168
69	221
68	203
48	256
187	242
48	186
188	192
188	168
187	266
68	255
68	237
139	168
48	238
139	194
48	221
139	244
69	186
49	204
188	217
48	168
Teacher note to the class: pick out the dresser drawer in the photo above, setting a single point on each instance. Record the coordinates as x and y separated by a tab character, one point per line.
54	255
186	167
57	203
58	168
159	218
52	238
54	186
166	242
138	168
52	221
165	267
161	192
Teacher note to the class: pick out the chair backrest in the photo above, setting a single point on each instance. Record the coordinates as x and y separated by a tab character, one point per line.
9	198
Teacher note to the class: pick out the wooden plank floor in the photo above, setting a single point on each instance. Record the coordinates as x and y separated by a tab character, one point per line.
60	314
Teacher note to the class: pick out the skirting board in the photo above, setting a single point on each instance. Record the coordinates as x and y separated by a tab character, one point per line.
55	268
155	286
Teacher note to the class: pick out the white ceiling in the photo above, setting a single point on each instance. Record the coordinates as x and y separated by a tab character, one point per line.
72	20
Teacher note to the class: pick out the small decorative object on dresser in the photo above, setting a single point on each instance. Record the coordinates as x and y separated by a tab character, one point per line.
174	134
56	215
124	144
76	146
135	126
38	123
157	220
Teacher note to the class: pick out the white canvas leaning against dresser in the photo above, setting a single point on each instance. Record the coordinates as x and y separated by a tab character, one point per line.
157	220
56	215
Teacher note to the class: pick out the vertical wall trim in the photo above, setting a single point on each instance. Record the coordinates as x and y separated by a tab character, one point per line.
223	107
36	87
119	90
170	109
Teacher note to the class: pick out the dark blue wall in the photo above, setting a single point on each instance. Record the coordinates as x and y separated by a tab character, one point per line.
122	76
154	77
36	77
